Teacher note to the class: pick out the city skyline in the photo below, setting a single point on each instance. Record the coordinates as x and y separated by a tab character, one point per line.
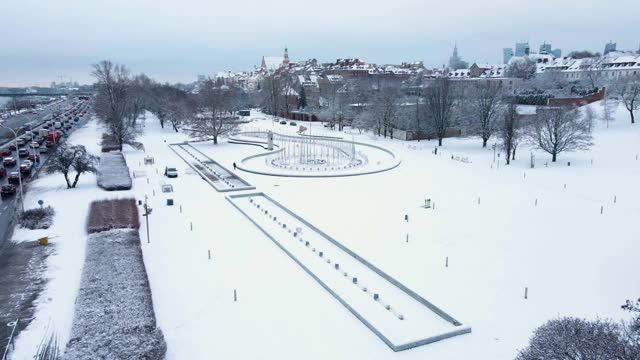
175	42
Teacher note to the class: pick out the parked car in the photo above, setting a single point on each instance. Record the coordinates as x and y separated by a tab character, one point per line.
3	172
293	123
171	172
283	122
5	152
9	161
14	177
23	152
7	190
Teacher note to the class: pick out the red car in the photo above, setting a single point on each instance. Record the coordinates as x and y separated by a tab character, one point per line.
5	152
7	190
14	178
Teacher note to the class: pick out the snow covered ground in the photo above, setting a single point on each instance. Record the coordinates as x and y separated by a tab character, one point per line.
573	259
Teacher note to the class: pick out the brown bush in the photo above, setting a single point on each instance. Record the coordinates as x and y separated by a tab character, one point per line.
113	214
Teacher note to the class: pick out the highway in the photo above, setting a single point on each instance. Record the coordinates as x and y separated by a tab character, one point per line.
16	121
9	205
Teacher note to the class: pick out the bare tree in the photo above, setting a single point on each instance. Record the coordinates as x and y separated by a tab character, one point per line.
560	129
509	131
440	100
628	88
217	112
271	91
113	104
384	110
594	72
577	339
486	107
68	158
524	68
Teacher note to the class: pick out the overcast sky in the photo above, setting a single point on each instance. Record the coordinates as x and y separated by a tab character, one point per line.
176	40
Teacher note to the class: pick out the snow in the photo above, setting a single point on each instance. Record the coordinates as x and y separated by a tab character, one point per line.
113	173
574	260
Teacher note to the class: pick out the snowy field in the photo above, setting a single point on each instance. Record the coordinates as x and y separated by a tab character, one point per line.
573	259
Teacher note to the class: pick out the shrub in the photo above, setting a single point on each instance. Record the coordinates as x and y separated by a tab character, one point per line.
113	214
36	218
113	173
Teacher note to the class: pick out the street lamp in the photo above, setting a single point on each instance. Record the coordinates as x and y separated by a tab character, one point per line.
15	139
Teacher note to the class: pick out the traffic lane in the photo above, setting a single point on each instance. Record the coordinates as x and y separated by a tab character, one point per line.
17	121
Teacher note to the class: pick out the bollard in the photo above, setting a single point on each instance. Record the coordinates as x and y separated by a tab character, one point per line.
209	251
336	266
191	226
235	295
406	217
407	237
601	209
615	199
446	262
180	209
154	192
478	200
355	280
376	297
526	292
536	204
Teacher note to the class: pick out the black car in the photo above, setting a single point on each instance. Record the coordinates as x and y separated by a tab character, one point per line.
7	190
283	122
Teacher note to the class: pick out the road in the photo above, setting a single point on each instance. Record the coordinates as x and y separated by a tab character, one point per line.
9	205
16	121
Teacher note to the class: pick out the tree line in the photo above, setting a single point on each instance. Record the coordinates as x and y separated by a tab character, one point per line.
122	98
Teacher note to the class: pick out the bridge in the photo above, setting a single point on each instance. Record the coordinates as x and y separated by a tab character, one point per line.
56	93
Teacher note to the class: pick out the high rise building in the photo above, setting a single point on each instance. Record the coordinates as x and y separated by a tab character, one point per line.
455	62
609	47
522	49
545	48
507	54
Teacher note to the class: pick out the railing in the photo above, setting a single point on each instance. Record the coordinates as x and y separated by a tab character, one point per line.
10	341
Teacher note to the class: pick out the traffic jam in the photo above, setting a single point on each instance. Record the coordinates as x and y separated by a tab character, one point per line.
21	157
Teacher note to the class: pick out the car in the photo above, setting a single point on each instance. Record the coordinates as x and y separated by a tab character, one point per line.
50	144
283	122
171	172
12	146
26	166
293	123
34	157
23	152
34	145
43	150
7	190
14	177
5	152
3	172
9	161
21	142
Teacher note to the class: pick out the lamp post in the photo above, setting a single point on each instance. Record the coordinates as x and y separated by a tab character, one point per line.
15	141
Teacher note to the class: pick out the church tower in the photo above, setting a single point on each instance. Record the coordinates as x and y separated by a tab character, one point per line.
263	65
